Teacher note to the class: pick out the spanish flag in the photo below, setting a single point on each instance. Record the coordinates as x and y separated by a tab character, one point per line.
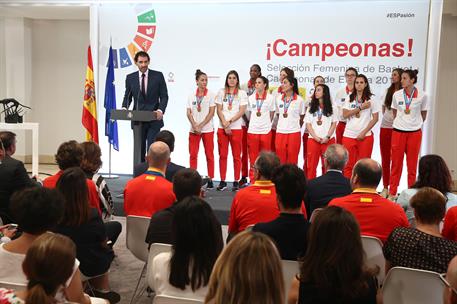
89	117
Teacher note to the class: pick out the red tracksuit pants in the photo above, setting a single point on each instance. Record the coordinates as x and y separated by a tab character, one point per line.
208	144
273	140
256	144
339	132
244	153
408	143
315	152
288	147
223	141
357	149
385	141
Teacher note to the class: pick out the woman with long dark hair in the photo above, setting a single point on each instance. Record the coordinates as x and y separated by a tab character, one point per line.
333	269
231	103
340	98
409	106
320	122
361	113
385	135
200	112
433	172
83	225
290	108
197	242
262	108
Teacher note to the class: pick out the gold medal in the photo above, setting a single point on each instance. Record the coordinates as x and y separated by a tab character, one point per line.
284	115
319	122
407	111
230	107
259	114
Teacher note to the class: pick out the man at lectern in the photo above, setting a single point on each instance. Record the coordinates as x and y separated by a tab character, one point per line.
149	92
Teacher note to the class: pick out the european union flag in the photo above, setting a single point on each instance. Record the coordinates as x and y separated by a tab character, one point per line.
110	104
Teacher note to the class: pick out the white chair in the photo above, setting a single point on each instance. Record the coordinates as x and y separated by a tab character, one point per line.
289	271
162	299
154	250
14	286
137	227
412	286
375	256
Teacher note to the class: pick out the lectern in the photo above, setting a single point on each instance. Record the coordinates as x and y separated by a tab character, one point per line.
138	118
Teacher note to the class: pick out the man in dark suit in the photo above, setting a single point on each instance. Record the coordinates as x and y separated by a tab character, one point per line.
332	184
172	168
149	92
13	176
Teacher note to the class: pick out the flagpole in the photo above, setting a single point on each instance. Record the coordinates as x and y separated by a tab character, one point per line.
110	176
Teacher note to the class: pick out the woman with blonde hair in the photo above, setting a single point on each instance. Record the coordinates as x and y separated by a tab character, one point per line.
248	271
48	265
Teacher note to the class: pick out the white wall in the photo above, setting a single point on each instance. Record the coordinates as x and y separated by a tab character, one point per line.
445	143
59	67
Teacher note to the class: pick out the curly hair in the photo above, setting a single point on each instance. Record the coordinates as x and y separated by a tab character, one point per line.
69	154
91	161
433	172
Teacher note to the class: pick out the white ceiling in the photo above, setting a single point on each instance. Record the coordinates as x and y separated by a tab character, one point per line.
46	12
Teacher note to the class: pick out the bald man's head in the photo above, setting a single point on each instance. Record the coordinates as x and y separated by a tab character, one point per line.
450	297
367	173
158	155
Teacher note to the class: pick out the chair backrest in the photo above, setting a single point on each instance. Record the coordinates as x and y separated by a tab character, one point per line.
412	286
162	299
375	256
313	215
14	286
137	227
289	270
154	250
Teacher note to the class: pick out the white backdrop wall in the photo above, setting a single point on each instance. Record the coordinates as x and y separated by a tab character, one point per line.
219	37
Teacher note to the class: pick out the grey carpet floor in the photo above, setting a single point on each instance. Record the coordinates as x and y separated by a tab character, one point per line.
220	201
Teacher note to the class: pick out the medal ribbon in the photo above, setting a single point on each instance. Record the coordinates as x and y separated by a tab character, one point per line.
408	99
261	99
231	97
320	112
288	102
200	98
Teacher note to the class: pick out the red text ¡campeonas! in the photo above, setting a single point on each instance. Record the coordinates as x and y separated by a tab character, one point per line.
281	47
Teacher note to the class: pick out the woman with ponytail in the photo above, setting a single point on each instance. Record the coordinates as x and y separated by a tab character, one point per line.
385	135
200	112
290	109
410	108
48	265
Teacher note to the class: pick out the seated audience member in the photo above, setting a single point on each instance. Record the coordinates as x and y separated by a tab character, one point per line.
91	163
70	155
433	172
48	265
332	184
248	270
257	202
197	242
36	210
172	168
422	247
450	291
450	224
150	192
289	230
83	225
186	182
13	176
333	269
377	216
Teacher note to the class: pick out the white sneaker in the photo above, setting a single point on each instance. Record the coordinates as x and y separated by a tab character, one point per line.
392	198
384	193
